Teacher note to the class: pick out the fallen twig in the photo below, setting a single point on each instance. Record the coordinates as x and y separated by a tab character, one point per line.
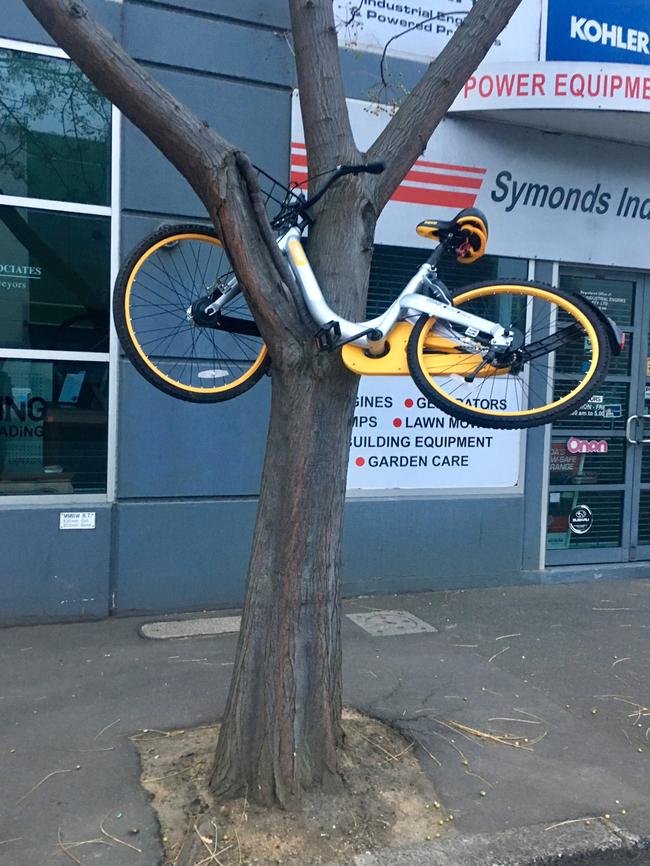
65	850
103	730
38	784
506	719
504	739
115	839
424	748
573	821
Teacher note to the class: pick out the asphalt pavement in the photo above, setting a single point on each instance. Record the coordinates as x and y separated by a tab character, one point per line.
529	706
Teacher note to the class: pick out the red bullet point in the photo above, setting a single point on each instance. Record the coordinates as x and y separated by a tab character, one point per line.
360	461
408	403
397	422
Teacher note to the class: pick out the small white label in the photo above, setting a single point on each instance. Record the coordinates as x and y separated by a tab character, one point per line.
77	520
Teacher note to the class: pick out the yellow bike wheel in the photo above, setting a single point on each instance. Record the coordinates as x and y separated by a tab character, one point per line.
560	358
157	311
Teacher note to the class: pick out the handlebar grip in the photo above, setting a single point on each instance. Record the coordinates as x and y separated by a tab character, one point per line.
369	168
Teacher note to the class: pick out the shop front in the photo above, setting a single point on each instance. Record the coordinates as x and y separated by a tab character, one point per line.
599	457
570	209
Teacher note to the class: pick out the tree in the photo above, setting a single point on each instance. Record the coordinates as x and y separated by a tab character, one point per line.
281	727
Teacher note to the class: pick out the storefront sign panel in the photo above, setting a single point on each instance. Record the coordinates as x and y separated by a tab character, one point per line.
600	30
400	441
566	85
419	31
545	196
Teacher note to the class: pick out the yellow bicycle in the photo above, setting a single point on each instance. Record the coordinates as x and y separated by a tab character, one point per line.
506	354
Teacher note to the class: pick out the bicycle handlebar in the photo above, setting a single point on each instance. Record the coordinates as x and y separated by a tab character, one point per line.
341	171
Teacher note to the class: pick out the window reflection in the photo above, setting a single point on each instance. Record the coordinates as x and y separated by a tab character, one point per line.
53	427
54	131
54	280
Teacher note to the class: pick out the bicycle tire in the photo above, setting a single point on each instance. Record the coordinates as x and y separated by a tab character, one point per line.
585	342
157	284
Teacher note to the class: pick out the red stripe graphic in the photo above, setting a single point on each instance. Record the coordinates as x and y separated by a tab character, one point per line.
470	168
440	197
424	187
444	179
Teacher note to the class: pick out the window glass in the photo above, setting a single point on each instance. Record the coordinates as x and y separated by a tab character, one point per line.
614	297
605	411
54	131
606	520
54	280
53	427
575	460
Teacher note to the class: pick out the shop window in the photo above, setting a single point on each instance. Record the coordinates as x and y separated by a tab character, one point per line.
605	512
54	131
55	135
53	426
54	280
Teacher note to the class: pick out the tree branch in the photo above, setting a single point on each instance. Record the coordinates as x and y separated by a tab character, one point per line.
406	135
328	134
182	137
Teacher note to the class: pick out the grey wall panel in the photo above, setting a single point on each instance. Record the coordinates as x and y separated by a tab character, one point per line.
170	448
208	45
362	77
19	23
46	572
267	13
192	555
181	555
404	545
257	119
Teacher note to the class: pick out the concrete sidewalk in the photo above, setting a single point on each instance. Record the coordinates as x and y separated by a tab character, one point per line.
565	669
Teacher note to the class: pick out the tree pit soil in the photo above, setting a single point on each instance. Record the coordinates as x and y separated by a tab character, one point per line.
385	800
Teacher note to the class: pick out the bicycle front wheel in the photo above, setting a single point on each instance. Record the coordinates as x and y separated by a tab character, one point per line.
156	307
560	357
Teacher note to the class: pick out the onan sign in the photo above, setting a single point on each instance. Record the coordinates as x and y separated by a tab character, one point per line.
599	30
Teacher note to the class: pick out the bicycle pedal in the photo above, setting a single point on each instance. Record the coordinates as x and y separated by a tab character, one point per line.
328	336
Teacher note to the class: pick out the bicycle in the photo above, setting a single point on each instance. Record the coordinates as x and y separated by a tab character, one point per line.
503	354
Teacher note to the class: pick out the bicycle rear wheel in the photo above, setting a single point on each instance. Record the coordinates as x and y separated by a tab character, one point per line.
562	357
159	326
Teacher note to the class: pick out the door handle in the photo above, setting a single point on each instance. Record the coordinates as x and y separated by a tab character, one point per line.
628	429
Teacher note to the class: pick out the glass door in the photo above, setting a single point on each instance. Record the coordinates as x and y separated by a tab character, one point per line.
638	442
599	477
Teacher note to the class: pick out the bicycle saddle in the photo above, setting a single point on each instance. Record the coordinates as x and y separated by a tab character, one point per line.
468	230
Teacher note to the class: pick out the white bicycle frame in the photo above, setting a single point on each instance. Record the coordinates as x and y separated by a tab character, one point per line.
409	303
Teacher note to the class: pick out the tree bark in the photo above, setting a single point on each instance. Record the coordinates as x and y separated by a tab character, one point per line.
281	727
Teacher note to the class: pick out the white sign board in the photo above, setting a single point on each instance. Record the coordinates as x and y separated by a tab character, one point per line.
419	31
587	86
400	441
554	197
77	520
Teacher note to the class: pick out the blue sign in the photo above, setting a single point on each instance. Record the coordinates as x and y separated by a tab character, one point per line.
600	31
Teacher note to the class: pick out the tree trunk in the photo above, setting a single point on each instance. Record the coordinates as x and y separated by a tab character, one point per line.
281	727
